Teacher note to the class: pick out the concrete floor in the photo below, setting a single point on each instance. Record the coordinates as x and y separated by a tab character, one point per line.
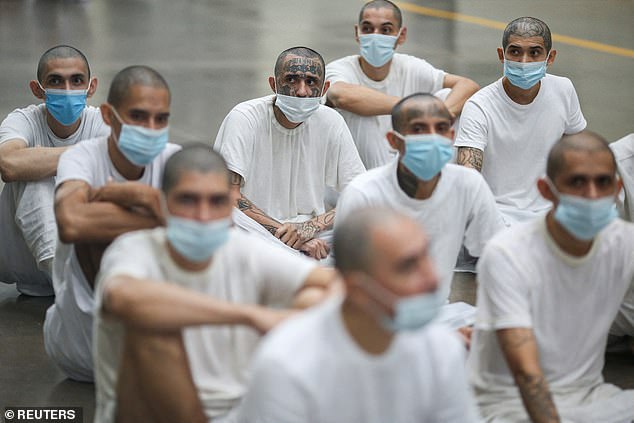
216	53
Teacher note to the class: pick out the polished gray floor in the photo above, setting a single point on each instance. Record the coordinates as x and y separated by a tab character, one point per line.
215	54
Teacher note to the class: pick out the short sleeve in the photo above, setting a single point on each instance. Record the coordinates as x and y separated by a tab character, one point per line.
75	164
575	122
473	131
340	71
281	273
235	142
274	396
484	220
426	77
16	126
503	299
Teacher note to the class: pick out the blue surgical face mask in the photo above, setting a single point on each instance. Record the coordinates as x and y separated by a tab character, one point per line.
426	154
297	109
525	74
582	217
414	312
65	105
194	240
378	49
140	145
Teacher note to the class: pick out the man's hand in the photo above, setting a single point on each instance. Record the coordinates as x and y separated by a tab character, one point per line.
296	234
315	248
133	196
465	333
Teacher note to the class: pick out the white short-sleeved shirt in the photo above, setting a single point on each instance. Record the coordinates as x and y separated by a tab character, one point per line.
408	75
623	150
286	171
516	139
245	270
461	210
68	323
525	280
29	124
311	370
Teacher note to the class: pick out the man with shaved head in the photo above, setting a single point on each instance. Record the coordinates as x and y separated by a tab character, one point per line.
365	87
373	355
544	315
106	186
508	127
285	151
453	203
31	141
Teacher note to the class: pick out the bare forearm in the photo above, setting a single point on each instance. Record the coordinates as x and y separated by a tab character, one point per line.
537	398
460	93
247	207
30	164
361	100
131	195
470	157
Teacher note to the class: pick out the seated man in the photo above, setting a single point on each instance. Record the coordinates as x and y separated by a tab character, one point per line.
547	294
31	141
508	127
190	296
284	150
365	87
453	203
105	187
371	356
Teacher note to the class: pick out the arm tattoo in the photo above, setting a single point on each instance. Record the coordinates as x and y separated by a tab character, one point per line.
407	181
470	157
326	220
245	205
537	398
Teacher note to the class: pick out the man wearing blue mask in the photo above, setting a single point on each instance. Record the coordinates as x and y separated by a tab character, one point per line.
31	141
508	127
106	186
365	87
180	310
285	151
548	291
372	355
453	203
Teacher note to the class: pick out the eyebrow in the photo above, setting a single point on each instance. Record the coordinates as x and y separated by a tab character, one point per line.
383	24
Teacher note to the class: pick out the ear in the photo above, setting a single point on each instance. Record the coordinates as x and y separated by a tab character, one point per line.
451	134
106	114
551	57
356	33
619	186
37	91
92	87
501	54
401	39
326	86
272	83
395	142
545	191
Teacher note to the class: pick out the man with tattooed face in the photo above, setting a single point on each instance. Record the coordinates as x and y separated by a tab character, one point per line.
507	128
284	151
453	203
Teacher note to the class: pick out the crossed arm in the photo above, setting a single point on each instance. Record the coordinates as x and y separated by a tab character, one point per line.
19	163
300	236
520	350
163	306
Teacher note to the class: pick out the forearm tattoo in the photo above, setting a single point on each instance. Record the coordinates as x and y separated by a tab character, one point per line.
407	181
537	398
245	205
470	157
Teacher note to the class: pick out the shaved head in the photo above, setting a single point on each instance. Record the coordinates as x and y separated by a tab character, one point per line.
302	52
418	105
133	75
59	52
383	4
527	27
585	141
196	157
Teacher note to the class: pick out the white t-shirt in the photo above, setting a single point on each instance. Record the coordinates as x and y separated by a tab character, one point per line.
408	75
34	207
286	171
68	323
244	270
460	210
623	150
516	140
526	281
311	370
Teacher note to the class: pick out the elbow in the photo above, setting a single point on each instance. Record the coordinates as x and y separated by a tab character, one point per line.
119	300
67	228
7	172
471	86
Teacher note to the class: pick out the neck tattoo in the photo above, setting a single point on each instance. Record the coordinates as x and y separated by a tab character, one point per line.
407	181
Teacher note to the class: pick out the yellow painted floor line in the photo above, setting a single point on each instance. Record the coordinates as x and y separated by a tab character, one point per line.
489	23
